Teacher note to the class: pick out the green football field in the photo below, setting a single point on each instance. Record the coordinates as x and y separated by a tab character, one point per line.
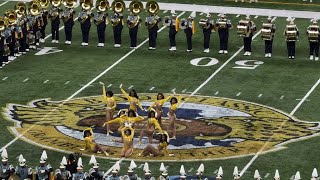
289	86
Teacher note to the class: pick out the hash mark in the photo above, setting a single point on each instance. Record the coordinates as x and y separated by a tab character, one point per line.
67	82
45	81
239	93
152	88
140	166
238	15
190	170
184	90
165	11
130	87
260	95
265	176
109	85
25	80
216	93
256	17
174	90
4	78
201	14
282	97
120	85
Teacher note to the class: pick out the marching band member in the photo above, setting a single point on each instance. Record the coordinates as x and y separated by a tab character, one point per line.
190	30
7	40
133	22
11	35
151	126
291	33
62	173
133	99
223	25
23	171
161	149
6	168
30	21
183	174
268	30
157	105
67	17
37	29
131	175
94	172
147	172
117	26
173	30
85	20
44	14
80	175
43	170
219	174
114	172
164	173
100	19
20	8
247	39
90	144
2	39
110	105
175	102
54	15
207	25
152	23
313	37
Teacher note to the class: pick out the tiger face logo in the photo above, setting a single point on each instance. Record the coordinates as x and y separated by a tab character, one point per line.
207	127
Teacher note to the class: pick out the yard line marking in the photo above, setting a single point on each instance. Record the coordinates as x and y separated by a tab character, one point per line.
4	78
256	17
45	81
130	87
152	88
260	95
219	14
265	176
201	14
216	93
174	90
190	170
84	87
292	112
282	97
305	97
301	99
239	93
184	90
238	15
140	166
4	3
109	85
165	11
224	64
25	80
67	82
120	85
215	171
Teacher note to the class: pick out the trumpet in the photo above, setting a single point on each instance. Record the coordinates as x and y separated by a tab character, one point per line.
102	5
136	7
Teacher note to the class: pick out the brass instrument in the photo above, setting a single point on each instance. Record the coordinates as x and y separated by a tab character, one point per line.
313	33
56	3
34	8
291	32
70	3
3	24
118	6
6	33
102	5
183	24
12	16
166	21
222	23
203	23
21	9
153	9
136	7
44	3
86	4
243	28
266	31
67	13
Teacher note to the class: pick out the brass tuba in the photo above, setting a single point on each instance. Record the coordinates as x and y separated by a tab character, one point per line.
118	6
136	7
20	9
102	5
34	8
44	3
56	3
70	3
86	4
11	15
152	7
3	23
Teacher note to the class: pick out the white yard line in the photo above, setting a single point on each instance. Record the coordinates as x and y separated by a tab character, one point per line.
292	112
67	82
4	3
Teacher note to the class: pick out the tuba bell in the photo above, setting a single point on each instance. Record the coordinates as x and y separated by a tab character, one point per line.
86	4
118	6
44	3
56	3
102	5
152	7
34	8
70	3
136	7
183	24
11	15
20	9
3	23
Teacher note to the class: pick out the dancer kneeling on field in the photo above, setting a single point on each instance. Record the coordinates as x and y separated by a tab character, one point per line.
161	149
127	134
90	143
151	126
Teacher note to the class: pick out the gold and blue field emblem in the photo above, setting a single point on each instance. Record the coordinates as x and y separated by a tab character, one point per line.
207	127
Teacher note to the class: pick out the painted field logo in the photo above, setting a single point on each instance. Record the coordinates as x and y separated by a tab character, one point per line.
207	127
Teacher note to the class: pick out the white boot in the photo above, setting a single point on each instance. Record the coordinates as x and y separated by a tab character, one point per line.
220	52
266	55
225	52
173	48
311	57
249	53
317	59
245	53
269	55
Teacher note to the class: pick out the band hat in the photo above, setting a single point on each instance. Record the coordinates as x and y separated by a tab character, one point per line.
314	173
256	175
173	12
248	16
200	169
93	162
193	15
43	157
163	169
132	166
235	172
297	176
79	165
146	169
4	155
208	15
269	18
22	160
182	172
276	175
220	172
63	162
223	15
116	167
